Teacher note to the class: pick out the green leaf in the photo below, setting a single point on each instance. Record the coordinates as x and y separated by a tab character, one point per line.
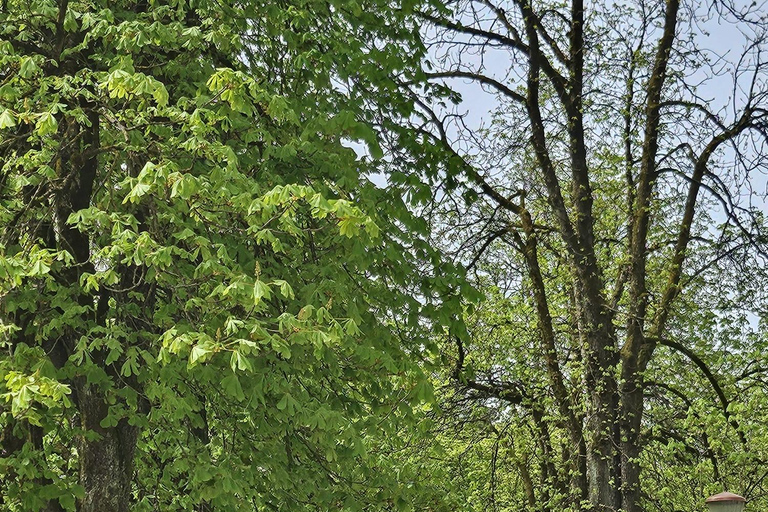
160	94
138	190
199	353
240	362
67	501
39	268
285	289
28	67
7	120
349	227
46	124
8	92
261	291
231	386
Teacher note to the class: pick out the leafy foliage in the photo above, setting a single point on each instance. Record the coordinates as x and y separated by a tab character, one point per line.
199	309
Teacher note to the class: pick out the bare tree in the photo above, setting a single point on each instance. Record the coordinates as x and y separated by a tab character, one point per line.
619	135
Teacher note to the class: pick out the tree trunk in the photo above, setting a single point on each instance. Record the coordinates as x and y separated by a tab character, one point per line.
632	411
602	388
106	463
601	475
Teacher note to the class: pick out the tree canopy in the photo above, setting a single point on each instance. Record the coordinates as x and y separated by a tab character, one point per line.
211	301
198	300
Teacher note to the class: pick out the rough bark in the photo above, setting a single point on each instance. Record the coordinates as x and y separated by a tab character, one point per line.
106	462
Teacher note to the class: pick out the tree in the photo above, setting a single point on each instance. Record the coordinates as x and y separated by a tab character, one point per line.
197	303
605	191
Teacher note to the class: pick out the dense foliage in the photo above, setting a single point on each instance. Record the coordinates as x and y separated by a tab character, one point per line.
209	301
198	305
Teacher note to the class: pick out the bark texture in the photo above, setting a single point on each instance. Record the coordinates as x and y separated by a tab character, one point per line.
106	462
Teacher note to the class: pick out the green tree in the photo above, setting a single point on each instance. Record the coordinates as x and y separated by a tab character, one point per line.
198	309
598	202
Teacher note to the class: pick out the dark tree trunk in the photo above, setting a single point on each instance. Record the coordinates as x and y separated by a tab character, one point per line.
106	463
601	474
632	411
